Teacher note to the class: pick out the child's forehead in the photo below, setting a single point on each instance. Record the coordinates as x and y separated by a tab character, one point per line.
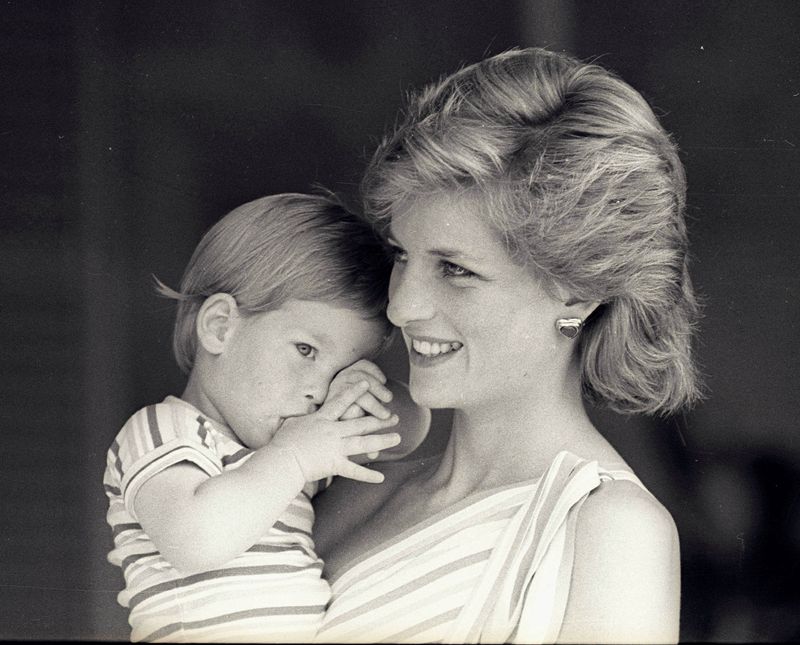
334	323
315	310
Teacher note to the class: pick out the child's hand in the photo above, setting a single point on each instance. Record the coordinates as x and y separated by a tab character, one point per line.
415	423
372	401
322	442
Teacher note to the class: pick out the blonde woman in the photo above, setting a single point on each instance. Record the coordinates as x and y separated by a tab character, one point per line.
534	206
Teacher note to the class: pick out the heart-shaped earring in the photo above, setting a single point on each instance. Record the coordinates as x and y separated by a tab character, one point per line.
569	327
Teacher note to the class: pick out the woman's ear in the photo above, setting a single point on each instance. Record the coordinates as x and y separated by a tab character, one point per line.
574	308
216	322
580	308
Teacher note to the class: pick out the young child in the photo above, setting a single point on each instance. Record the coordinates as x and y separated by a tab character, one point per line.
210	494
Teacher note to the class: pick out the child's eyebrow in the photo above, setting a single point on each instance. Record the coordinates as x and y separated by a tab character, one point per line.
321	339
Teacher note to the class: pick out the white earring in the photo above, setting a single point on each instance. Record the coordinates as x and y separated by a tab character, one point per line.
569	327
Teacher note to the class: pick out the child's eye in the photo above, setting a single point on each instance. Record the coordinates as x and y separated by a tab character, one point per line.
452	270
306	350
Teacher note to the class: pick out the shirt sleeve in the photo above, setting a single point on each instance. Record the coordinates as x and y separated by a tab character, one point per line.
157	437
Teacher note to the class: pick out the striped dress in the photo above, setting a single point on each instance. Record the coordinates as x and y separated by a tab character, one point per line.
494	568
274	592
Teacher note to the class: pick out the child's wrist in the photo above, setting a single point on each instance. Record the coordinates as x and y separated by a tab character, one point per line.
290	456
282	459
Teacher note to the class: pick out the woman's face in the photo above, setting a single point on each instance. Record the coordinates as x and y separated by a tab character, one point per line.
479	327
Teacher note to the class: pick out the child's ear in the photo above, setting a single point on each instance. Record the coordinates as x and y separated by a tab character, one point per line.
216	322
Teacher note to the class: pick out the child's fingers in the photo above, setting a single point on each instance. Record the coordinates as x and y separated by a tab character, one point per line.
370	373
373	406
365	425
365	458
369	367
360	473
336	405
361	445
376	386
380	391
353	412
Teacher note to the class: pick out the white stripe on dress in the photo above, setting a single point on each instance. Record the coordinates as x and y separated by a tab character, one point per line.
494	568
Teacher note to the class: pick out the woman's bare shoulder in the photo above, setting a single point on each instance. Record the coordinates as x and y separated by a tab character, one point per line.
626	572
624	509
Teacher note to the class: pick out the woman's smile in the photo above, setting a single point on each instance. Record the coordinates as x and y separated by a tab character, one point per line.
426	351
475	322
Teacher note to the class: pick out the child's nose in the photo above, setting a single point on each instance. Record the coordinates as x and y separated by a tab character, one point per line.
315	395
313	406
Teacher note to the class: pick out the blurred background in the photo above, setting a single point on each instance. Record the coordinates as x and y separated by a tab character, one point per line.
127	129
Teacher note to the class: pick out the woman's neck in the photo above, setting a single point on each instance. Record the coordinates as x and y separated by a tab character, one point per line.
514	439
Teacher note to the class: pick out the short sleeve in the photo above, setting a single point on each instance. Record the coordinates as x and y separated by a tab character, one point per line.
155	438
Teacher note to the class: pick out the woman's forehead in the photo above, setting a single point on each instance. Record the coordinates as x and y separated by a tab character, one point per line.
451	224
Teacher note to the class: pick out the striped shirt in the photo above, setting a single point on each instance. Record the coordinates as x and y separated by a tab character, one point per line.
494	568
273	592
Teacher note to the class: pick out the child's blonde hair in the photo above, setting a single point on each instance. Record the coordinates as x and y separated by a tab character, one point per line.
279	248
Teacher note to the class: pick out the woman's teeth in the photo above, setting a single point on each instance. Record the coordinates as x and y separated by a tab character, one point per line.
434	349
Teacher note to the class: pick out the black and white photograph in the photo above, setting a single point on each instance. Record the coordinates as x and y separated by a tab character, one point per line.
375	321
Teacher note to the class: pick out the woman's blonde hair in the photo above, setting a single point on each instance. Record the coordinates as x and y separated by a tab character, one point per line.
280	248
583	184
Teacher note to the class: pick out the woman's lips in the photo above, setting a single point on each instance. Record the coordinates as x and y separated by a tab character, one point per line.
434	348
431	351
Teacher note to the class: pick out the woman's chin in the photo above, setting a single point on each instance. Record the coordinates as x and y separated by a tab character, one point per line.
432	395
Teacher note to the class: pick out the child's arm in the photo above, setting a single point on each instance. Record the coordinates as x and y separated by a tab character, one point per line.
199	522
385	396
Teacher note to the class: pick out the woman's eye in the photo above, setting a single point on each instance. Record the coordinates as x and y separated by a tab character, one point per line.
306	350
451	270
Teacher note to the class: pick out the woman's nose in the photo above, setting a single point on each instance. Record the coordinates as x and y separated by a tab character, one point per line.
409	298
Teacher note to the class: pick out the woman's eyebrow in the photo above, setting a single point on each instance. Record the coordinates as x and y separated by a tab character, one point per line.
457	254
442	252
451	253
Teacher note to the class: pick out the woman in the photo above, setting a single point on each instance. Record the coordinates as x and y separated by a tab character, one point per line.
534	206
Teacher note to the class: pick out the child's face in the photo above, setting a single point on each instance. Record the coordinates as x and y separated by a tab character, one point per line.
280	363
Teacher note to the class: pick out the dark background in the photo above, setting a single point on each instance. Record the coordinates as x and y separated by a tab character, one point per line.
129	128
